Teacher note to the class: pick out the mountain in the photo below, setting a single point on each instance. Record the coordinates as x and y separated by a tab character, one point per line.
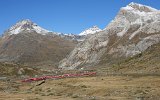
26	26
29	44
90	31
135	28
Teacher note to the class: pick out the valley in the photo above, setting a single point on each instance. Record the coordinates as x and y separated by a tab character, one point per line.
105	87
123	57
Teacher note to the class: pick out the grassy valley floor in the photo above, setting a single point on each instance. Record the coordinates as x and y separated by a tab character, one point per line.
110	87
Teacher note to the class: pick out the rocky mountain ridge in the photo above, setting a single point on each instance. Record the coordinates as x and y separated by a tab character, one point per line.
27	26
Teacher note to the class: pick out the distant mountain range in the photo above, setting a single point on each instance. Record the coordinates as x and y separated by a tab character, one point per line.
28	26
134	31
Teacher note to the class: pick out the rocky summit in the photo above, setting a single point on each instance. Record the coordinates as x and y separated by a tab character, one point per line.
25	26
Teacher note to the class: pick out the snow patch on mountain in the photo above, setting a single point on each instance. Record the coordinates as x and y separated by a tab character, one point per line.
91	30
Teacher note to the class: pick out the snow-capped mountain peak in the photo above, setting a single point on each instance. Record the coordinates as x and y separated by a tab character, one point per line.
91	30
142	7
27	26
139	7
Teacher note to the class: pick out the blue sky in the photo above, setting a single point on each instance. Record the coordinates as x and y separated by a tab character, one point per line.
67	16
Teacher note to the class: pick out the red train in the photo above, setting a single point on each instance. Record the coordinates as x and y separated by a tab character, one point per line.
59	76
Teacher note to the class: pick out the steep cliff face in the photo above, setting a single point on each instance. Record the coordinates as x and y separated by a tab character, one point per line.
135	28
